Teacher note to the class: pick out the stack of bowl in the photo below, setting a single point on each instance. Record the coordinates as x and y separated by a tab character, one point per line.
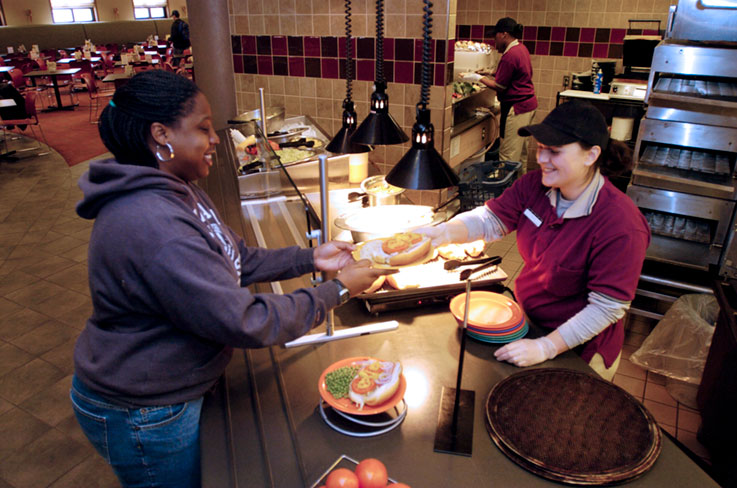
492	317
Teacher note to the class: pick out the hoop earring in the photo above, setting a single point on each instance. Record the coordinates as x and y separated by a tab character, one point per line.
160	157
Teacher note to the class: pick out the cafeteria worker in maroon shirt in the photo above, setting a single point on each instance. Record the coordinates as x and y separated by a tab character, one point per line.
582	240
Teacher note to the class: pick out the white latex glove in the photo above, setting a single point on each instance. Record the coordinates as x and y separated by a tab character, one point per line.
440	234
470	77
526	352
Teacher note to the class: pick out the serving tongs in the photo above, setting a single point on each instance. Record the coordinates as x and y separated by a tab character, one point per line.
302	142
466	273
457	263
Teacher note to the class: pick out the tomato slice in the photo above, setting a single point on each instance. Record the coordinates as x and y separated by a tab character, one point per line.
363	385
394	244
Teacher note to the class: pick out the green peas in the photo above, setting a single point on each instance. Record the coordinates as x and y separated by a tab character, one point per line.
338	382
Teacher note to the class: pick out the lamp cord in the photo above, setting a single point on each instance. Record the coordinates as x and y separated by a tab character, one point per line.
348	53
426	71
380	41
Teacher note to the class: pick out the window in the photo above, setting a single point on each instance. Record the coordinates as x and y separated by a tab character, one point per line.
149	9
68	11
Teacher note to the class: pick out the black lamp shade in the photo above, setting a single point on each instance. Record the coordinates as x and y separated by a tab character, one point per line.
379	127
422	167
341	143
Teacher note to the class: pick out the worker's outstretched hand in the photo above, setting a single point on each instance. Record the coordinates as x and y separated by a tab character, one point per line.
452	232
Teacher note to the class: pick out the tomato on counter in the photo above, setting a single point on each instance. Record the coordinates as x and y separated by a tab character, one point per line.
342	478
371	473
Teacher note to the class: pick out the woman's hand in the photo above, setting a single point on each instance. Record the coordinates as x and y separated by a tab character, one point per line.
333	255
526	352
359	276
470	77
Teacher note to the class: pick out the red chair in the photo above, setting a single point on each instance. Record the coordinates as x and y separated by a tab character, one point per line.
95	95
30	121
17	79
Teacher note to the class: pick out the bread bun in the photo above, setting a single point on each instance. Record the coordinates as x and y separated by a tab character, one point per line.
375	382
398	250
452	251
475	248
376	284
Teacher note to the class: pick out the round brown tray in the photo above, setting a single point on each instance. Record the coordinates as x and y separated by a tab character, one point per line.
572	427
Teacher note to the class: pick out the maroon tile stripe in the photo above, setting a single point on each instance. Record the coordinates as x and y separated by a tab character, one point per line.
324	57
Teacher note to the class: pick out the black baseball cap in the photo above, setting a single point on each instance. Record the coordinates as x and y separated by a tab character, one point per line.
573	121
505	24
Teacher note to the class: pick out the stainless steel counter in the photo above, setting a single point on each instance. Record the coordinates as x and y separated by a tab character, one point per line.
263	427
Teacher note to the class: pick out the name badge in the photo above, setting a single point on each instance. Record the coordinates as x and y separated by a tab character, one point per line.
533	218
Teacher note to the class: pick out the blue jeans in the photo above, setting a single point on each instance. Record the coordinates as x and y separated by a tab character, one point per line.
148	446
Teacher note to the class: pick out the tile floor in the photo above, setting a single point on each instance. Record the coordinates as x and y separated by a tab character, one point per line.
44	302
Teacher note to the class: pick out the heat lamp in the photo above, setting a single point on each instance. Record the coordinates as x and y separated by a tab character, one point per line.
379	127
422	167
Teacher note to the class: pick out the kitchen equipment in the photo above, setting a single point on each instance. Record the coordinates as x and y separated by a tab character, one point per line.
455	263
485	180
703	20
274	117
380	192
385	220
301	142
281	136
684	175
628	89
466	273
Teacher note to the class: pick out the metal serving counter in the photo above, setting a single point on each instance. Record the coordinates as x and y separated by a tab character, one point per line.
262	427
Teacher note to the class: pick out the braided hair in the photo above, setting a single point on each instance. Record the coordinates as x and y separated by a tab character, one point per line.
150	96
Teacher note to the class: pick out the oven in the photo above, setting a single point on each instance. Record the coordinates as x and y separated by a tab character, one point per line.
684	180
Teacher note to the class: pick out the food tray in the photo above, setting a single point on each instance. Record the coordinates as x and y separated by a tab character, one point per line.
592	431
438	287
485	180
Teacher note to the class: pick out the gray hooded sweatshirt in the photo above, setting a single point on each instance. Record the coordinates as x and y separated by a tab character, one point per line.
167	279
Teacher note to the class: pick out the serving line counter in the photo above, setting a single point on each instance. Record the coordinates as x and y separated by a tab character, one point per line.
262	426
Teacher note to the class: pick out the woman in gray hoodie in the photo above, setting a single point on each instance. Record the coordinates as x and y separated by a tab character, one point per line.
168	283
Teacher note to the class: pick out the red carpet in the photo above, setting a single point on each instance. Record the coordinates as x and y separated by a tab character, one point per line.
69	131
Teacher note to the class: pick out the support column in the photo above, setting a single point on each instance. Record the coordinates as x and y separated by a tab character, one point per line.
209	30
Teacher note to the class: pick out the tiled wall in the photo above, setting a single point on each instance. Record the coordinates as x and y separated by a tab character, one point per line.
294	49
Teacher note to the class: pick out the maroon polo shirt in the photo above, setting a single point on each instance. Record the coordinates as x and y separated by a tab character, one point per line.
565	259
514	72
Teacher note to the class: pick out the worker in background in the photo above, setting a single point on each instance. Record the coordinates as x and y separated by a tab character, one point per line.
514	88
179	38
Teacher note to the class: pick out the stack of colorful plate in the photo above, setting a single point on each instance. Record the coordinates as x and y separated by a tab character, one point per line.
492	317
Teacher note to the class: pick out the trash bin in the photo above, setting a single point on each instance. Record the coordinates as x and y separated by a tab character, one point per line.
678	345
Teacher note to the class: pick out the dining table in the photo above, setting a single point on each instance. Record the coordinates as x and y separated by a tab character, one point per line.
54	75
119	79
93	59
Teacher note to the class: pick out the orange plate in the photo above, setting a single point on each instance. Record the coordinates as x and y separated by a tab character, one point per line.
488	310
357	256
345	404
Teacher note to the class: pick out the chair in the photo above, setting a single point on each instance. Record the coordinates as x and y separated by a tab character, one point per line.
30	120
95	95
